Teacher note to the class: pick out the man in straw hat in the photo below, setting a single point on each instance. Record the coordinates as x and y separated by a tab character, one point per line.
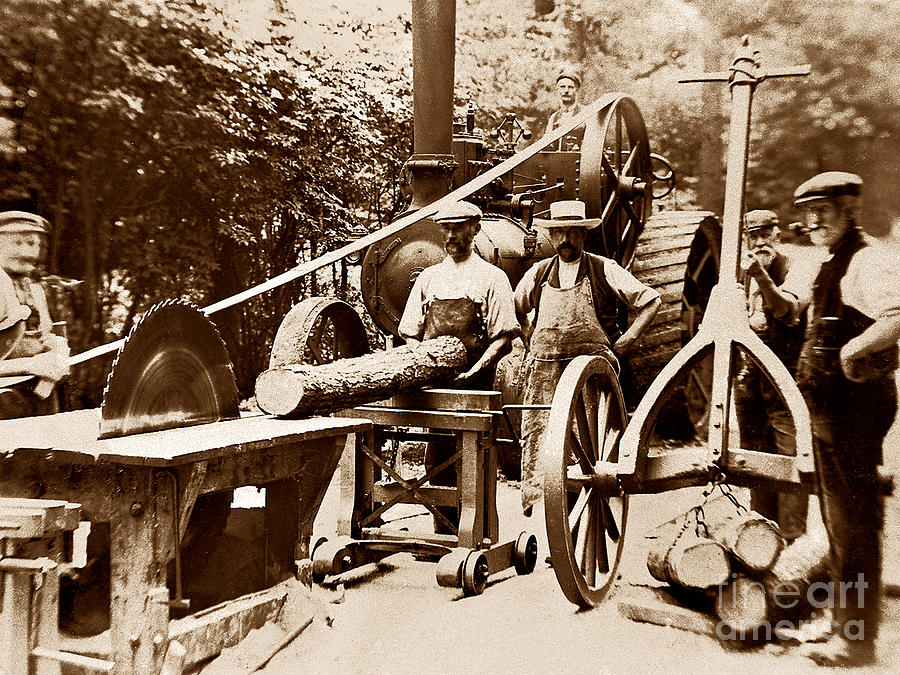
846	373
39	352
574	297
466	296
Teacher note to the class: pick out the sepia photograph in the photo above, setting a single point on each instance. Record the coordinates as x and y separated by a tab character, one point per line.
448	336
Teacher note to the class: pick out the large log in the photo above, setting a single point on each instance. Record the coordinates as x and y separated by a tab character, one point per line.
743	608
681	557
751	539
296	390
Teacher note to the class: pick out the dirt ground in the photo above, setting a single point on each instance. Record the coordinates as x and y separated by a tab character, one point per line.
398	620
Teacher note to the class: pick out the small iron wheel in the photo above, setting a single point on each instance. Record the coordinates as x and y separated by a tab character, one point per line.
525	554
475	573
585	515
332	556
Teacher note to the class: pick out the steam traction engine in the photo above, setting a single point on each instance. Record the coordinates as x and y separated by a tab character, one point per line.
611	173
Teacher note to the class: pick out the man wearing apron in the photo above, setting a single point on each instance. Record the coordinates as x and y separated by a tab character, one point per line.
575	298
846	373
39	352
465	296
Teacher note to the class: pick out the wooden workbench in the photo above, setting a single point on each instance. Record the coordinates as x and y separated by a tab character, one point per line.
145	485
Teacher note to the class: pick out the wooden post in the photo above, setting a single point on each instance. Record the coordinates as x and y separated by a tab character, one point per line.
138	612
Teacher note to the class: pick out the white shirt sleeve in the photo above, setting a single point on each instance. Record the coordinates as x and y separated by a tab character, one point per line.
872	282
633	292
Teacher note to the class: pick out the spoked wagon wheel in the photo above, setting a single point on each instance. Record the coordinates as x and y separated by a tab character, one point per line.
319	330
584	510
616	179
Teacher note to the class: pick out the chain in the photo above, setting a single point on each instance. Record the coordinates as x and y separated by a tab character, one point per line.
726	490
716	481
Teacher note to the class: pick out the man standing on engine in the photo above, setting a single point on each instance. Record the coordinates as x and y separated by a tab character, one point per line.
567	85
575	298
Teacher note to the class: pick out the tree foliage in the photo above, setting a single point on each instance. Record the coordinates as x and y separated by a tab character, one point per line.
175	157
175	160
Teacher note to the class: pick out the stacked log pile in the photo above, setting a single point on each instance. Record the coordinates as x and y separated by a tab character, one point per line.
297	390
740	560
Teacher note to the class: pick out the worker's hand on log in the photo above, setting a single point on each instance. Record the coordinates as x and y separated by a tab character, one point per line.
52	365
466	377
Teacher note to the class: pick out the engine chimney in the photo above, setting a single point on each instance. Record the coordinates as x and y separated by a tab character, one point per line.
434	50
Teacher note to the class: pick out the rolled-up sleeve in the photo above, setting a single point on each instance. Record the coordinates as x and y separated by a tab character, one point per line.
799	283
526	291
412	323
633	292
872	282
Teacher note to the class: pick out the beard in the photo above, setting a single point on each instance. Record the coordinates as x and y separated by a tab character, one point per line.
819	237
765	255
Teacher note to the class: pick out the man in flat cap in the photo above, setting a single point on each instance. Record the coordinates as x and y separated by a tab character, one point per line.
568	83
574	297
765	422
40	352
846	373
466	296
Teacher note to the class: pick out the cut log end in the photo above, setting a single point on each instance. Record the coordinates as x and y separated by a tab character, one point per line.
278	392
742	605
758	544
692	562
699	563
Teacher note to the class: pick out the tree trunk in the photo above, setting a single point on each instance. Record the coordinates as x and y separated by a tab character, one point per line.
680	557
295	390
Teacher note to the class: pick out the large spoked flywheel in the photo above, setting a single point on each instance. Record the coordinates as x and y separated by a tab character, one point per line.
584	510
616	179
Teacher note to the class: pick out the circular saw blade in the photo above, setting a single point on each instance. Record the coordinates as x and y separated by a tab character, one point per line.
172	371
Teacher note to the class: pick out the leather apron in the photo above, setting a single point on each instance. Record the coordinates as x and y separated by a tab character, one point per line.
567	326
460	317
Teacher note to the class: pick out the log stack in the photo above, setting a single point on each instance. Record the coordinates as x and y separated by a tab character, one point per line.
298	390
740	560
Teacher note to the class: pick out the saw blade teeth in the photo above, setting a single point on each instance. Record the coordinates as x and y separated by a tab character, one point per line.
173	339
